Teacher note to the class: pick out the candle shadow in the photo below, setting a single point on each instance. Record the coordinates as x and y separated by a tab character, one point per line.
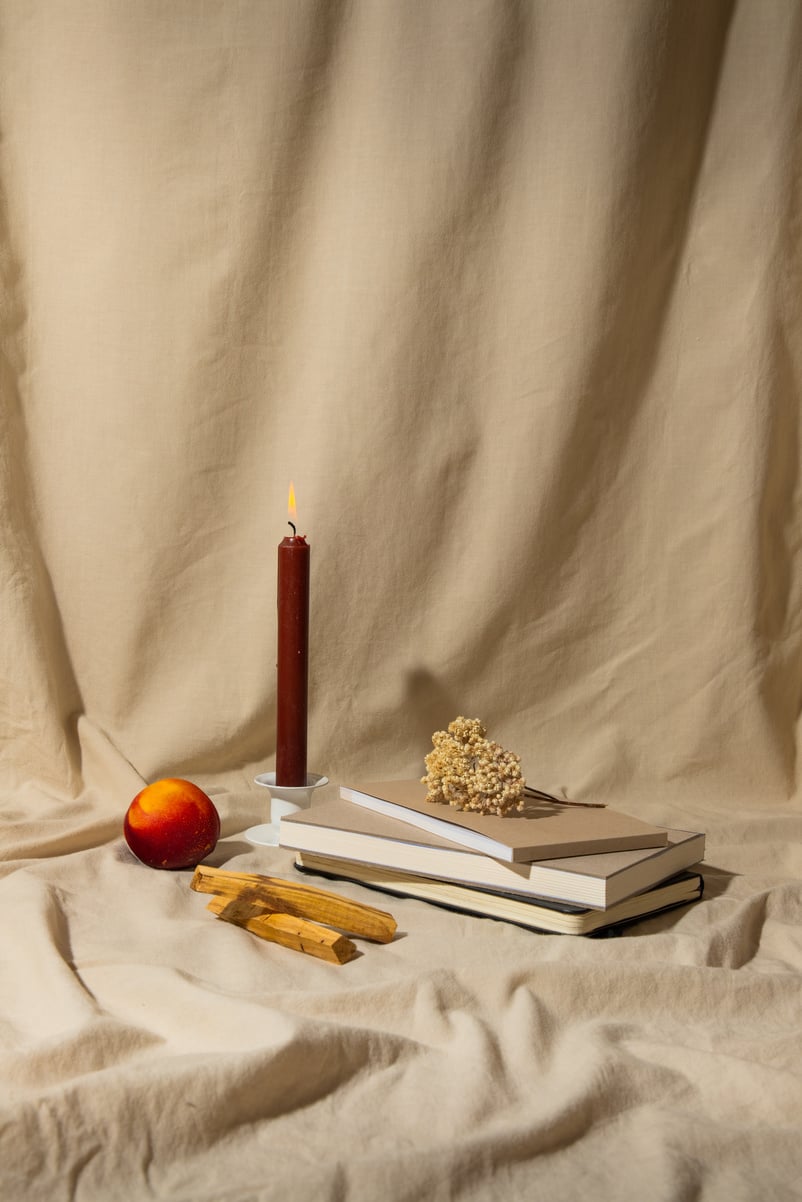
431	705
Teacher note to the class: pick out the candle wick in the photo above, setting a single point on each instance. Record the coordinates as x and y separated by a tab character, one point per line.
294	531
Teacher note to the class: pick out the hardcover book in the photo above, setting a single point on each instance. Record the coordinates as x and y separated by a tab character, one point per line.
538	915
340	828
543	830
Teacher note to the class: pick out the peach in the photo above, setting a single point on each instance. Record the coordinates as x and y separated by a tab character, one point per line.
171	824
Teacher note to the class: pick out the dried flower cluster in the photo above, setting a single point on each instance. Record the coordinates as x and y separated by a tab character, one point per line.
470	772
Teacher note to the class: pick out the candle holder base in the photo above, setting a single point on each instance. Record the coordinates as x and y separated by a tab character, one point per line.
284	799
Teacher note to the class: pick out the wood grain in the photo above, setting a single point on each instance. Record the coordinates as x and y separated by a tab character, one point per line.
299	900
285	929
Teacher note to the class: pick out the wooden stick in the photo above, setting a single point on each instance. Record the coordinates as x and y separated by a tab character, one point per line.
291	932
303	901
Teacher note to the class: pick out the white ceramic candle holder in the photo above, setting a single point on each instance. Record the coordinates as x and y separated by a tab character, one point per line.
284	799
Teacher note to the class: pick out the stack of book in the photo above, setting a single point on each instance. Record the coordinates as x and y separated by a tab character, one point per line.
554	867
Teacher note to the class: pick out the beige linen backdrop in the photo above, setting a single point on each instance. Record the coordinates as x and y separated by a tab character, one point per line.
511	291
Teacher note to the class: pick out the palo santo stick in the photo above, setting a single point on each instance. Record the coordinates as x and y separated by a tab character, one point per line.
290	932
304	901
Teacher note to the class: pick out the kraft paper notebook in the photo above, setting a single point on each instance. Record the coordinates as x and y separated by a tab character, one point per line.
544	830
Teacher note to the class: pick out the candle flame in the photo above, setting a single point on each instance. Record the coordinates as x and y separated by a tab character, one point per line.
292	509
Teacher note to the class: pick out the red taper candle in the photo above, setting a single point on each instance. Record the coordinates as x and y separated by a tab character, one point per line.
292	662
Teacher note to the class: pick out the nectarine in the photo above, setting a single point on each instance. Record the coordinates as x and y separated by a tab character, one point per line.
171	824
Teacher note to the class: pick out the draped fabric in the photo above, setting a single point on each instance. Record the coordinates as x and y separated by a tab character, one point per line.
510	291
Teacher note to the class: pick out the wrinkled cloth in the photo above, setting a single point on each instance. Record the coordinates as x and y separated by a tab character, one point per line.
511	293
